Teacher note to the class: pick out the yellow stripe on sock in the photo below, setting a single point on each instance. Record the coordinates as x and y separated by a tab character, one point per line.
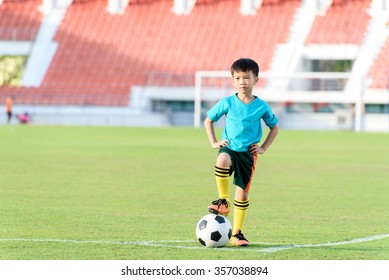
222	172
241	204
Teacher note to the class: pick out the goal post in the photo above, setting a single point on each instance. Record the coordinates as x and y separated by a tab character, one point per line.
282	88
199	87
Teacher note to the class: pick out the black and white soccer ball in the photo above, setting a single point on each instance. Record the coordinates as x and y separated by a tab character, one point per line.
213	231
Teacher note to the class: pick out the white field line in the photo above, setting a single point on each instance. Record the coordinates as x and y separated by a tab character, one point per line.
177	243
327	244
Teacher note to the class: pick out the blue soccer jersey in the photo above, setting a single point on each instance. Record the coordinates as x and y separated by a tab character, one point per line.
243	121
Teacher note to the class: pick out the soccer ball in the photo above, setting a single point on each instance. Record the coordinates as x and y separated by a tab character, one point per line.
213	231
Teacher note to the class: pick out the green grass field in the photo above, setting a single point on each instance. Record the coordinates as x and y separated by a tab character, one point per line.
104	193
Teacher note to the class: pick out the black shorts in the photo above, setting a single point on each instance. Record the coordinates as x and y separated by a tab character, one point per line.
242	165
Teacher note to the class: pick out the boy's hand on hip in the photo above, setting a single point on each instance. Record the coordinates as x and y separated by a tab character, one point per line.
255	149
219	144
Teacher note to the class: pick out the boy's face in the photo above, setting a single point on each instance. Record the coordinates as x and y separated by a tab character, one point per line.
244	82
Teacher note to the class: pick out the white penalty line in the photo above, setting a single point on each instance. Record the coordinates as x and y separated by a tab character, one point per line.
175	243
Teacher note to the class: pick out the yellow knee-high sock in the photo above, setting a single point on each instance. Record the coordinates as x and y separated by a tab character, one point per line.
222	176
240	211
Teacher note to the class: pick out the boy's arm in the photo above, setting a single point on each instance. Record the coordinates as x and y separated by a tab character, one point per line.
209	128
254	148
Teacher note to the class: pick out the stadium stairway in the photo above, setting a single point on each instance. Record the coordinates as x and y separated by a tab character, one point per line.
376	34
379	71
44	47
362	32
286	56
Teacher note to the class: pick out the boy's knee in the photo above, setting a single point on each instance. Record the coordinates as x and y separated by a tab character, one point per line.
223	160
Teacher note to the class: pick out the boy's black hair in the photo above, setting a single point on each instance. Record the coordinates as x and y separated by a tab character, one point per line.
244	65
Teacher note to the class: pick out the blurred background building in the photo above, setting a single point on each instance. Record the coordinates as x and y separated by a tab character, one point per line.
324	63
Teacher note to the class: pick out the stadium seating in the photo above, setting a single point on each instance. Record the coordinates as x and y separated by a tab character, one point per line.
100	54
19	20
379	73
344	23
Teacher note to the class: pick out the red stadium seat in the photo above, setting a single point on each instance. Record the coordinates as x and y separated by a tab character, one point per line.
344	23
19	20
379	72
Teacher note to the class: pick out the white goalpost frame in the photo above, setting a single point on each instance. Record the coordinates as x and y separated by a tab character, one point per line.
355	97
198	86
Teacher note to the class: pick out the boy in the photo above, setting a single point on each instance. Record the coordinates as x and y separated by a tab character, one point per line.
239	147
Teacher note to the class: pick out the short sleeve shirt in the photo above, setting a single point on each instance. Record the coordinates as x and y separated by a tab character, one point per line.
243	121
